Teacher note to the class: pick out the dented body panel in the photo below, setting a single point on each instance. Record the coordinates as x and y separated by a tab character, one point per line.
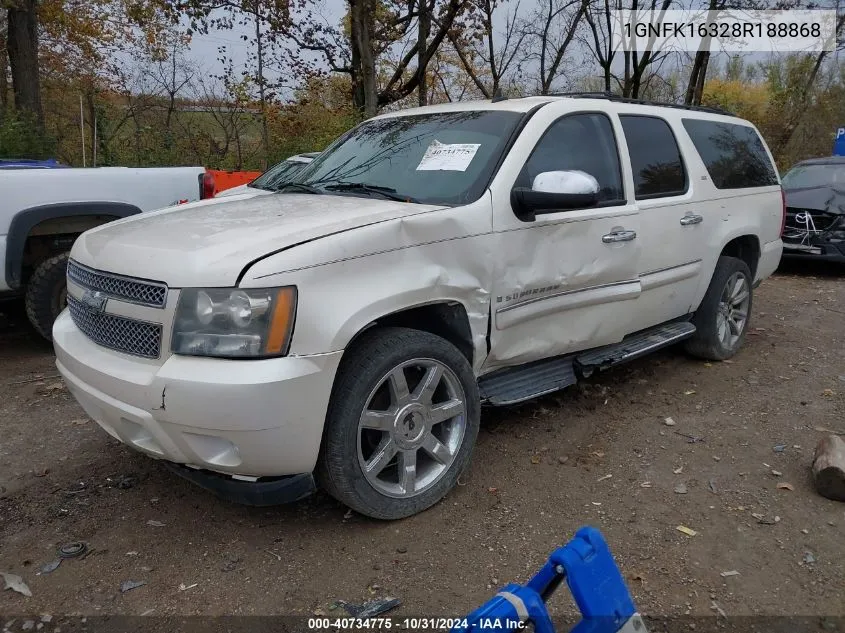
443	256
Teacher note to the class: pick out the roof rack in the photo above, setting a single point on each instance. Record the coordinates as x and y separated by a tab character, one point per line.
614	97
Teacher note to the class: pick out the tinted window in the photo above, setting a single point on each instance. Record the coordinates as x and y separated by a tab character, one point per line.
441	158
582	142
655	157
733	154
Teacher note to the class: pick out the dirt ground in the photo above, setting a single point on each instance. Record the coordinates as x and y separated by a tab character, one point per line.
600	453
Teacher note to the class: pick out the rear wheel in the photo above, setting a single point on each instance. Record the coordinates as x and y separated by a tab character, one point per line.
724	314
46	294
401	425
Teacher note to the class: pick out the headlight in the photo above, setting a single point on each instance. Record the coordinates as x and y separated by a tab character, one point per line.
234	322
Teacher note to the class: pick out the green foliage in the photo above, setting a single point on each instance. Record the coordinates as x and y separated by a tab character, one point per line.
796	116
20	137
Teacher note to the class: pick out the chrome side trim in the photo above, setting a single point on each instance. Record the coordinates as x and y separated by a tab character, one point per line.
563	293
670	275
661	270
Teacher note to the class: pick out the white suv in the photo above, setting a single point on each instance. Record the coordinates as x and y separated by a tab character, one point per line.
346	330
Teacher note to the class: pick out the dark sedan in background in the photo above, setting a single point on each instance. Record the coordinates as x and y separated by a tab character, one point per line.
815	209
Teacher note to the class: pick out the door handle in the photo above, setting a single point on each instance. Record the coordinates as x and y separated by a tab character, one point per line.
618	236
691	218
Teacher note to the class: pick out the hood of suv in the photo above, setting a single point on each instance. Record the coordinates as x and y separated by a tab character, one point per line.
210	243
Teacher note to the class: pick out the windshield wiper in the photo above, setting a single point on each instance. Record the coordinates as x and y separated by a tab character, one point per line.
387	192
301	186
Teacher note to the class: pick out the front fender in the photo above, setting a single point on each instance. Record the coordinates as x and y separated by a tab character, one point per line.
374	271
24	221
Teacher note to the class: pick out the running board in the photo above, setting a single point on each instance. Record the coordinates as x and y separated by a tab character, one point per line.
515	384
633	347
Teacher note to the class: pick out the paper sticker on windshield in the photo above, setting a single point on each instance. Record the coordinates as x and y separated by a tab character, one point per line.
448	157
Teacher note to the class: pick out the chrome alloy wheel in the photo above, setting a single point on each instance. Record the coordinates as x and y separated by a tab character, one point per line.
732	315
411	428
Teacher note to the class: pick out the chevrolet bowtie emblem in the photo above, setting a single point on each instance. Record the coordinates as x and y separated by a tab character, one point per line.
94	300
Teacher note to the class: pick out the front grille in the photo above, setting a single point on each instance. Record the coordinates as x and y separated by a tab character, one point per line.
138	338
148	293
805	219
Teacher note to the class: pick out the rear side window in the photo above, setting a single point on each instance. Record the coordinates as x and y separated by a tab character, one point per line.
733	154
655	157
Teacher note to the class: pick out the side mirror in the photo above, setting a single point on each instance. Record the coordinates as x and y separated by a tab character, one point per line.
554	191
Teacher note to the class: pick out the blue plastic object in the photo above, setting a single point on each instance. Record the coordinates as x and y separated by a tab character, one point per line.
593	578
29	163
839	142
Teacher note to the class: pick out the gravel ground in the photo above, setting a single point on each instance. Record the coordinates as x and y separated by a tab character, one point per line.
600	453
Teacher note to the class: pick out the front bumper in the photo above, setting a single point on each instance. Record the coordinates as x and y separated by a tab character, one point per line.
248	418
832	252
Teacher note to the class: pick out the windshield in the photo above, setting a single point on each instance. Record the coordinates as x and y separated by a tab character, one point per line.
442	158
277	175
803	176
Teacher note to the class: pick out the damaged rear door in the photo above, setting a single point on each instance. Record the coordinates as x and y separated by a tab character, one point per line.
563	281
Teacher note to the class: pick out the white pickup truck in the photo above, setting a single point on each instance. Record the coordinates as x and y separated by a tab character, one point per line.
43	211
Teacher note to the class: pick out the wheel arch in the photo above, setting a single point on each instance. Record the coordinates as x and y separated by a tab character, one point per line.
745	247
447	319
50	217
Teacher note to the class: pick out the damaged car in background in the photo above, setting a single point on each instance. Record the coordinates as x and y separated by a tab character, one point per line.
815	209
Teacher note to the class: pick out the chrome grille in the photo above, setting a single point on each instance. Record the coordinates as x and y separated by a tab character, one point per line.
138	338
148	293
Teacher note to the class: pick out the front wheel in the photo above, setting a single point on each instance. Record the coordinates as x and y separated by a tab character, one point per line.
724	314
401	424
46	294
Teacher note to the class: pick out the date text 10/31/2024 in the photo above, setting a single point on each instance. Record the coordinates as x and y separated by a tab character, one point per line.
412	624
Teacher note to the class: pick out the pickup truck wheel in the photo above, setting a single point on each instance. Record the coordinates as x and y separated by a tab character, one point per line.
46	294
722	318
401	424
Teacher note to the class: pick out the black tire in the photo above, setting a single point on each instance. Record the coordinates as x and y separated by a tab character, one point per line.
363	367
46	293
707	342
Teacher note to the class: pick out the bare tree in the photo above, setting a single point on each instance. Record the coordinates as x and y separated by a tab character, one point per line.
169	76
227	102
485	54
637	70
549	33
599	21
375	29
639	67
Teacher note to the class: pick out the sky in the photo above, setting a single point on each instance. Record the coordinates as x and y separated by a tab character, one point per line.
204	48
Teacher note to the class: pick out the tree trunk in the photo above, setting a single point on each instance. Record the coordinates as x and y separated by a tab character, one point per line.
92	123
4	73
702	76
693	77
365	94
626	84
262	96
829	467
22	46
422	62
